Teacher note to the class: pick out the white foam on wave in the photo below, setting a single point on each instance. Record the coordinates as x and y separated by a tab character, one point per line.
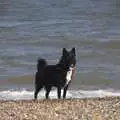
25	94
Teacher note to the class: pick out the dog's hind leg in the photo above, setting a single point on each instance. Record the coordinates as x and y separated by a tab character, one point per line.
48	89
59	92
37	89
39	83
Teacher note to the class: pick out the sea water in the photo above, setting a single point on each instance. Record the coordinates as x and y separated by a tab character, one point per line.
30	29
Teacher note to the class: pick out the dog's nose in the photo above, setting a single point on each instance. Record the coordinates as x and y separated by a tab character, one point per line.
72	65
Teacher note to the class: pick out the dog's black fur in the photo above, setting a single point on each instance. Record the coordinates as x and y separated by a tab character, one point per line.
49	76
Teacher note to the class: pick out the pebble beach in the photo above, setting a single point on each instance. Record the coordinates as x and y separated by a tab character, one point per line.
107	108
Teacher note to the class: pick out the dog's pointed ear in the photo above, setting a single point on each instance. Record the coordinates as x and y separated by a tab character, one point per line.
64	51
73	50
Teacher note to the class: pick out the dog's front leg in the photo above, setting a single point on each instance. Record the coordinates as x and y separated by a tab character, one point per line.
59	92
64	92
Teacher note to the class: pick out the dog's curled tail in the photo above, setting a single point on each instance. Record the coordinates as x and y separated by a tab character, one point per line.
41	64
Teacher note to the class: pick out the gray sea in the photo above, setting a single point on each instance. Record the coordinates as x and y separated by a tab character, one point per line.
30	29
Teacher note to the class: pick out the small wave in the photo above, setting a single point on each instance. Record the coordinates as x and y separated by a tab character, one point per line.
25	94
13	24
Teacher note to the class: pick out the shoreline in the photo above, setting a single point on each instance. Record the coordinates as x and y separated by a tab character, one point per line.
105	108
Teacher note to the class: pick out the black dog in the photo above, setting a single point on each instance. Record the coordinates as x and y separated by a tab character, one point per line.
59	75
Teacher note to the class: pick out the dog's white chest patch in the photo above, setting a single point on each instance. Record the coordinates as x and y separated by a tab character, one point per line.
69	75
